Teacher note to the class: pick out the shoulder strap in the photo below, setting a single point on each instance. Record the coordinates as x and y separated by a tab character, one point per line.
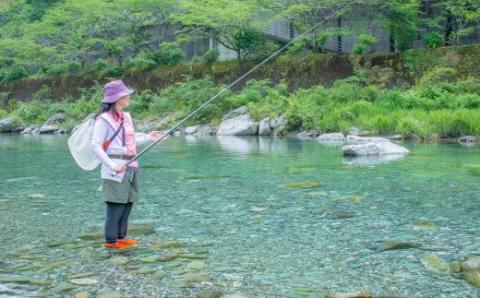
107	118
116	133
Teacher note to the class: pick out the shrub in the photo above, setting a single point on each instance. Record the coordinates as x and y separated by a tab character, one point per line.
364	42
14	73
433	40
3	113
32	112
167	54
141	102
210	56
100	64
141	62
44	94
437	75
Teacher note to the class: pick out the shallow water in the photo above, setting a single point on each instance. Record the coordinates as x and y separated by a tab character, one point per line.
260	217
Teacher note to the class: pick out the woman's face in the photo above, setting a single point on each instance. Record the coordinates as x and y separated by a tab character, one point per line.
122	103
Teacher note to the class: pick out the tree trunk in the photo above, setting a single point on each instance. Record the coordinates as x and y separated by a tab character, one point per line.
339	37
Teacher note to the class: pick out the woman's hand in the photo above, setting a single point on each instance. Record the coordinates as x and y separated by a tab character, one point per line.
155	135
119	168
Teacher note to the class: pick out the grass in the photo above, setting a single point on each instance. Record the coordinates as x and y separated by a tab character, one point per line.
439	106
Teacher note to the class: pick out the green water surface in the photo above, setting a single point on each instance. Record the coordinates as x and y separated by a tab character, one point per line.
255	217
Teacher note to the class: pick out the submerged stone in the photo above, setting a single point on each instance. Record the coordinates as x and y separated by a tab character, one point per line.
194	256
5	278
258	209
471	264
209	293
354	198
149	259
82	294
456	267
109	294
141	229
33	257
181	284
41	282
436	264
168	257
167	244
302	185
197	265
359	294
84	281
180	271
159	275
318	193
143	270
395	244
54	243
195	277
92	236
425	224
119	260
84	274
52	266
65	286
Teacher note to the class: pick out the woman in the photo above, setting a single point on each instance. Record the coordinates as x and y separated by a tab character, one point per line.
114	142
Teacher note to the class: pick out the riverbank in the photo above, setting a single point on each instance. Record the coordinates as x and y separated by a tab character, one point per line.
441	106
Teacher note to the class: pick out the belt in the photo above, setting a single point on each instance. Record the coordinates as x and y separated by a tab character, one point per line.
122	157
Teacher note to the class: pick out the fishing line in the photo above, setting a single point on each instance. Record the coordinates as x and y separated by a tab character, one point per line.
169	131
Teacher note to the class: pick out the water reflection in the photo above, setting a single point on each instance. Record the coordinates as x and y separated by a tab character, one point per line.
369	160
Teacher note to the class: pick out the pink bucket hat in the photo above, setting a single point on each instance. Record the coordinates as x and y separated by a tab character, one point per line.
115	90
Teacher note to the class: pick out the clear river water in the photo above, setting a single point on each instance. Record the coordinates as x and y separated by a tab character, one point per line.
251	217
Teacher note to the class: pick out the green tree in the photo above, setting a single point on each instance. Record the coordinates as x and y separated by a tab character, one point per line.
237	25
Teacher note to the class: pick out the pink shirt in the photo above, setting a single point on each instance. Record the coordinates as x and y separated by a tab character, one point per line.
130	142
104	130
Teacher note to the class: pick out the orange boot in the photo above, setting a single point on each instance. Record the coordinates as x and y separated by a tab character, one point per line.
127	241
115	245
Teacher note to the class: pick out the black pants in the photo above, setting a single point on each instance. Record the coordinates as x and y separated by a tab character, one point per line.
116	224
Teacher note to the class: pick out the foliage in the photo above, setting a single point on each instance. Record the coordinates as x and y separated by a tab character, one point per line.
364	41
439	108
433	40
437	75
210	56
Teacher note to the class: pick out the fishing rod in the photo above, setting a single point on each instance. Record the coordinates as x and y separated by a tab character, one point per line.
169	131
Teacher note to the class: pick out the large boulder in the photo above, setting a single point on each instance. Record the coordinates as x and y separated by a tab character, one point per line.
361	140
199	130
46	128
374	149
264	128
241	125
190	130
31	129
337	137
10	124
468	140
237	112
471	270
308	134
57	118
63	131
279	126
